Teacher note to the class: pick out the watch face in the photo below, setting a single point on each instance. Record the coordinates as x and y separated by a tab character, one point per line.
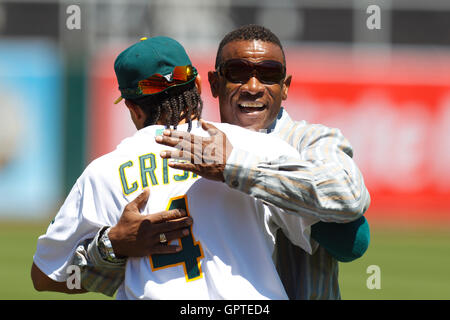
106	250
102	246
102	249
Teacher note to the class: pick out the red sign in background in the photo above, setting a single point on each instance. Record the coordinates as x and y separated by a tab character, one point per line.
394	108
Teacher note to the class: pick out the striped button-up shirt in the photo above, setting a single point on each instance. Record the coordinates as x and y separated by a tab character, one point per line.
325	184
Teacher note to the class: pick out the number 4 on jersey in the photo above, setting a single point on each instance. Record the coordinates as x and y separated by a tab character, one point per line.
190	254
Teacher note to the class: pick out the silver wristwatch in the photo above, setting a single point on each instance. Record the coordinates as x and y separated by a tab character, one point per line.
105	247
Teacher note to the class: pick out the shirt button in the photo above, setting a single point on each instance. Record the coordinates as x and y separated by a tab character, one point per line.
234	184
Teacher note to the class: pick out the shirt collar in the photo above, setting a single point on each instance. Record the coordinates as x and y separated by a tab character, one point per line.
279	122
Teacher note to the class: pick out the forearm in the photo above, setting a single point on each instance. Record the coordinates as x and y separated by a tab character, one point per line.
325	191
42	282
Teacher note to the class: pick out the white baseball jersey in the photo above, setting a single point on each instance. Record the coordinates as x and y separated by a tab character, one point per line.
228	254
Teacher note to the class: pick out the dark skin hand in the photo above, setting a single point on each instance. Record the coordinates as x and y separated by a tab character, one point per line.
207	156
137	235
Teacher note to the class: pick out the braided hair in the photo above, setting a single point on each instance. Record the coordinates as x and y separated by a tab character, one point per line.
172	106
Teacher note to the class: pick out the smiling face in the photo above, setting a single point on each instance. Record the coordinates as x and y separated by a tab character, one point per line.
252	105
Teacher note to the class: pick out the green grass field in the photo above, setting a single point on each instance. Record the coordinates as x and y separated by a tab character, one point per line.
414	264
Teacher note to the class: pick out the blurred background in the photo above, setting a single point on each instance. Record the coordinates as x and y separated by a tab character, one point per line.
386	88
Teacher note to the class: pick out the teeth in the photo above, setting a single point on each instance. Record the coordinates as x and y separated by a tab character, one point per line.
251	105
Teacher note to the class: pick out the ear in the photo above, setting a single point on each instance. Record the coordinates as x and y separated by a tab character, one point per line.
137	114
213	79
198	83
133	108
285	87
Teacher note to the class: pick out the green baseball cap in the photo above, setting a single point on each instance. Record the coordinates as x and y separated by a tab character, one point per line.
151	56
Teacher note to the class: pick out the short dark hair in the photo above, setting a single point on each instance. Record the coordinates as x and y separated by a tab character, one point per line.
175	104
249	32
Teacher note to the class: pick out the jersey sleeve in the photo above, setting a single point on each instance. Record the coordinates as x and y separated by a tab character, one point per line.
56	248
323	183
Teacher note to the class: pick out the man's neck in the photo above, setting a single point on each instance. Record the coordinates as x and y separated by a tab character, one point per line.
274	123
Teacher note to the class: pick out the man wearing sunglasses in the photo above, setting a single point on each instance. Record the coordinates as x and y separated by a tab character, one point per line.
250	82
226	253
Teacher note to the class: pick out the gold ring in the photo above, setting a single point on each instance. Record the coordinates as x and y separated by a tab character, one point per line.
162	238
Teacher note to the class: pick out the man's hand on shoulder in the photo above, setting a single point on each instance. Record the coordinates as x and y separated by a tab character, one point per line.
205	156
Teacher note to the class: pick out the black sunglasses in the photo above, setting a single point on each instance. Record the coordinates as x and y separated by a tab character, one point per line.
241	70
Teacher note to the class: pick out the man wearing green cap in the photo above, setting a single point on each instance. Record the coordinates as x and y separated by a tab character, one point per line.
139	70
225	254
